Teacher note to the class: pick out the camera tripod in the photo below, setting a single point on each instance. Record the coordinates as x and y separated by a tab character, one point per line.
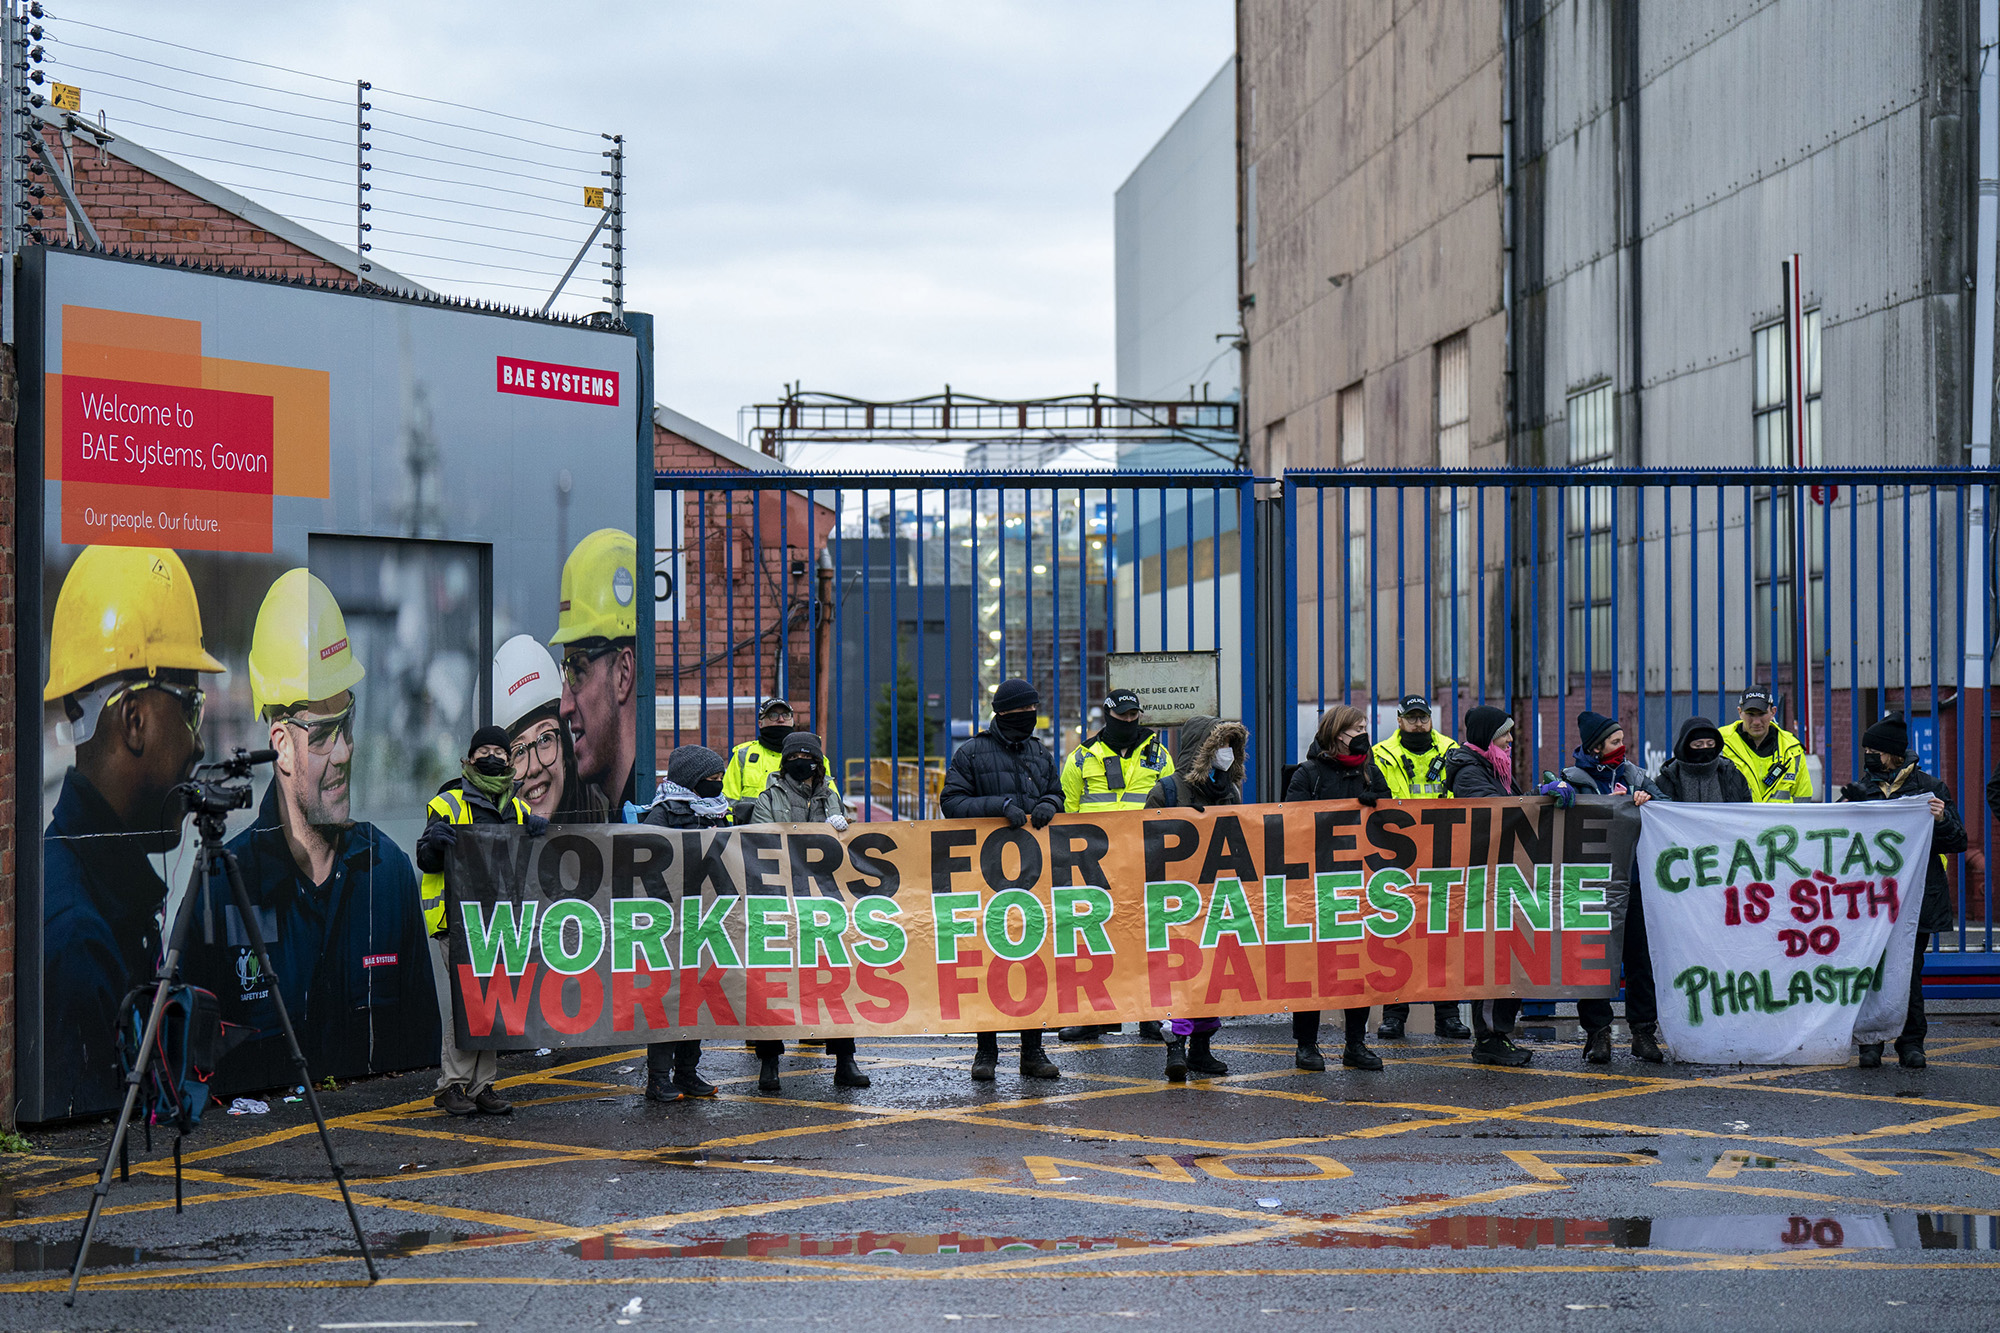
211	799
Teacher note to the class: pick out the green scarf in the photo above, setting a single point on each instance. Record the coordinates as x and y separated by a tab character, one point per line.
495	788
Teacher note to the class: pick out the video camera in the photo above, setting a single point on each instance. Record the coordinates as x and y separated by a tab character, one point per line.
218	788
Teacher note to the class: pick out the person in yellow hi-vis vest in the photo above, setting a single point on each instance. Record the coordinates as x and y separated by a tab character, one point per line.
1114	770
1771	758
483	795
1412	763
752	763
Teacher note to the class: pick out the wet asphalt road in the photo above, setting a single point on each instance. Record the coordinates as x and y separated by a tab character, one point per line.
1436	1194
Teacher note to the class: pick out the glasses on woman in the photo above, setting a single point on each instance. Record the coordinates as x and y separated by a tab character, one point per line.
325	731
544	747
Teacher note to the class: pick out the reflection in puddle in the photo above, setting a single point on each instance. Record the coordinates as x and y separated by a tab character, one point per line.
1756	1234
761	1245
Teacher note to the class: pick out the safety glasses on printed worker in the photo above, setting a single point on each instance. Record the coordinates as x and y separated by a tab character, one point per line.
323	731
575	665
192	699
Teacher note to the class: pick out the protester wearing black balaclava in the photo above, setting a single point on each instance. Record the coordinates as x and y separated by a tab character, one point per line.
1699	771
688	797
1005	773
753	763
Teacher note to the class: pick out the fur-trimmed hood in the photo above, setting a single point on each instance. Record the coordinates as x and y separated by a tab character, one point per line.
1200	738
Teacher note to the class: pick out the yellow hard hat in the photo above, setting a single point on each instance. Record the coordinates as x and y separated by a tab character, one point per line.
124	608
600	589
299	650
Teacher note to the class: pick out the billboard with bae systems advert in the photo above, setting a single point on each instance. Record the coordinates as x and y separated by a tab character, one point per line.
273	516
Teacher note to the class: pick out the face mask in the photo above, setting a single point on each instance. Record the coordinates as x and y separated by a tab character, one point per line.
492	765
1875	763
774	735
1418	741
709	787
495	787
1014	726
1612	757
1120	734
1359	745
1701	757
801	770
1225	759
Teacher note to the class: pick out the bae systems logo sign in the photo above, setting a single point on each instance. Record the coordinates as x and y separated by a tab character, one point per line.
541	379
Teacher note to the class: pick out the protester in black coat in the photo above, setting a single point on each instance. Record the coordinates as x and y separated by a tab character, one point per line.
1892	772
689	797
1602	769
1483	766
1005	772
1699	770
1337	768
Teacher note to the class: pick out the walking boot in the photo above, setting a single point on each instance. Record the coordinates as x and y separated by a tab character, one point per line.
1081	1032
1356	1055
847	1074
1176	1059
1308	1057
1871	1055
1035	1063
1391	1029
1449	1024
490	1102
1646	1044
1597	1046
984	1062
1497	1048
1911	1055
690	1083
660	1088
453	1101
767	1074
1200	1061
1150	1031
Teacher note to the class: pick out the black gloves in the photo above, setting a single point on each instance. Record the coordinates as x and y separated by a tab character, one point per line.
537	826
1016	816
1853	791
443	835
1043	814
1368	798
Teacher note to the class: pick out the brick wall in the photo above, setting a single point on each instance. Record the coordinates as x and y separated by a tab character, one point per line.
738	583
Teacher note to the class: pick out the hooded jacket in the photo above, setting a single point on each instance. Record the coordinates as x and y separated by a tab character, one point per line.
1588	775
786	800
1940	911
1320	778
990	772
1193	783
1680	780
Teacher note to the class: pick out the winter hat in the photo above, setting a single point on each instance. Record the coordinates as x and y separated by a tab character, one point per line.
1891	736
1482	724
689	764
1594	727
1009	695
803	742
486	736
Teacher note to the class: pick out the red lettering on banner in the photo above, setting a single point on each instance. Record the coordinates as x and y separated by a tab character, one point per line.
827	986
1278	984
1530	950
891	1000
765	984
1232	971
1581	948
1397	969
1435	974
542	379
952	982
1084	976
590	1001
1475	958
704	989
1180	962
500	996
1000	985
1335	958
639	1001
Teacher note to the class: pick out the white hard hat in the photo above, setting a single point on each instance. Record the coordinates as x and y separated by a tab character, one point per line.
524	678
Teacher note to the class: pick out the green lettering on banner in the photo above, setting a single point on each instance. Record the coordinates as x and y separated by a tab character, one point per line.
1513	889
1229	914
1583	906
1338	895
1704	866
1279	928
874	918
505	938
1034	924
1169	902
1475	900
1081	909
1664	877
708	932
589	937
767	943
1780	841
1824	837
1439	883
822	921
641	926
1889	847
946	908
1742	856
1692	981
1387	902
1857	857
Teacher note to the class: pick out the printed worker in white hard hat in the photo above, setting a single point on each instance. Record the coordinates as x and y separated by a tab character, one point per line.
527	704
597	635
125	667
339	902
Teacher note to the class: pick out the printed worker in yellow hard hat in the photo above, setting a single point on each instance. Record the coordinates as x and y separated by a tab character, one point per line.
597	629
125	665
340	904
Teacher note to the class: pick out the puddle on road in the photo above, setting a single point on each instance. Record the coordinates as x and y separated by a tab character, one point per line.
1757	1234
764	1245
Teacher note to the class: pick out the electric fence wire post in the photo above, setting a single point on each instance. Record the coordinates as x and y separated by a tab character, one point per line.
361	169
617	243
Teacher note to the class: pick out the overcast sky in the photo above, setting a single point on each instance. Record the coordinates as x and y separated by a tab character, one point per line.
869	197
